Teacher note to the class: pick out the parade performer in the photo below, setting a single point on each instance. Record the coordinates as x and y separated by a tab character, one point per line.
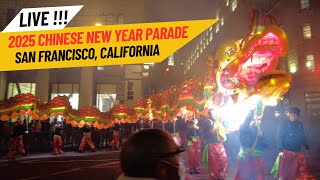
194	145
214	154
17	139
86	139
291	162
115	143
181	129
250	158
57	140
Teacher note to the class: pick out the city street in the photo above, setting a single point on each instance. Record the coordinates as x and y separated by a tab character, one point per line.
102	165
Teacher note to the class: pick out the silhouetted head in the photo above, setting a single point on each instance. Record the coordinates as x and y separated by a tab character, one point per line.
151	153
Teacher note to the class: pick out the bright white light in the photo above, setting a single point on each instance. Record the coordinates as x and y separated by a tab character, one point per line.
98	24
145	74
293	69
308	64
146	66
100	68
233	115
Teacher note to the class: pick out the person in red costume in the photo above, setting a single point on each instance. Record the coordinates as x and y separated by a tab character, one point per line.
181	129
86	139
57	141
293	163
17	139
194	145
214	154
115	140
250	158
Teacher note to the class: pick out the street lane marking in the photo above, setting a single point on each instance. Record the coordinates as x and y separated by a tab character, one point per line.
66	161
107	164
67	171
61	172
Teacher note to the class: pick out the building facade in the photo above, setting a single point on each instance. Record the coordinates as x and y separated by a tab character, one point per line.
300	19
88	86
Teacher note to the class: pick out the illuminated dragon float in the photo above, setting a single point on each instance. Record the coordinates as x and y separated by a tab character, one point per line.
21	104
248	66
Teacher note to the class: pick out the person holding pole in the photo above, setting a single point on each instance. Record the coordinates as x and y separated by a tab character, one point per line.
17	139
250	158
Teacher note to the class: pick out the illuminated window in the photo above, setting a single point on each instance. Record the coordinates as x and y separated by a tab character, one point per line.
234	5
69	90
210	29
222	21
227	2
307	31
204	46
150	64
146	67
106	96
120	19
100	68
293	69
171	60
197	55
292	61
201	50
19	88
207	41
211	36
310	61
304	4
217	28
200	41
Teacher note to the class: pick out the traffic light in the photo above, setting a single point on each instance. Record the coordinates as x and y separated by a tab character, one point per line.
130	91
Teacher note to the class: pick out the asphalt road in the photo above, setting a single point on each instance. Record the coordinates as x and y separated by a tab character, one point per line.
102	165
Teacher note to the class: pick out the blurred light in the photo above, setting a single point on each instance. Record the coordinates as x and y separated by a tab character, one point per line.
233	115
171	60
293	69
150	64
146	66
167	69
100	68
287	85
98	24
272	82
145	74
308	64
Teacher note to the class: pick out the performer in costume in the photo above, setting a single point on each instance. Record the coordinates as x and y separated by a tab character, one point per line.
115	143
86	139
291	162
214	154
250	158
17	139
181	129
57	141
194	145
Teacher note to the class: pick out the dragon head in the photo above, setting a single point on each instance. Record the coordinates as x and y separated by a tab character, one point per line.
244	64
